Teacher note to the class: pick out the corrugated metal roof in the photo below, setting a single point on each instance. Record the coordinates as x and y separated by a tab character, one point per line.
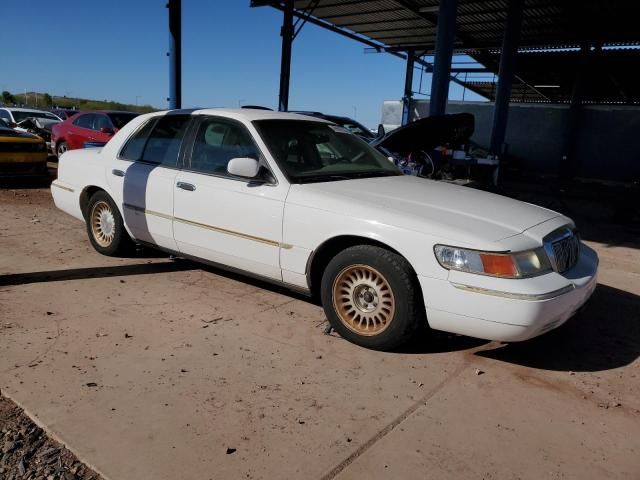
547	25
607	76
480	24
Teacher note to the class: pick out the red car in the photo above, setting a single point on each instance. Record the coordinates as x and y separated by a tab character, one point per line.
95	128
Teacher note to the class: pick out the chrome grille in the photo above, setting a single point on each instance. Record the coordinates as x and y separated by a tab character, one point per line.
563	248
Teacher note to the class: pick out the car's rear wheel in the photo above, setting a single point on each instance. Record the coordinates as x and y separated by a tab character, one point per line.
61	148
371	298
105	226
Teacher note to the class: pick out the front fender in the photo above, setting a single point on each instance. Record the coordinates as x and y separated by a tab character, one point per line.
305	229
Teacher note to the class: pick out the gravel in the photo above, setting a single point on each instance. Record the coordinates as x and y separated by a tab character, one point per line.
26	452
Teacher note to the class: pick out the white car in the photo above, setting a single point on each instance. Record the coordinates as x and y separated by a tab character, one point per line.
303	202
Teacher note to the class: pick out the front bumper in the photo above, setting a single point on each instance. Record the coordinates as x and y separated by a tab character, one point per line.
505	309
23	168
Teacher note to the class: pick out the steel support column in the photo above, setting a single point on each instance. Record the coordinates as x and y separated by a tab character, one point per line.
287	34
408	88
505	75
175	53
569	163
443	53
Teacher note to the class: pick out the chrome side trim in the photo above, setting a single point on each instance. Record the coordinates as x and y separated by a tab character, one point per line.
246	236
62	187
148	212
515	296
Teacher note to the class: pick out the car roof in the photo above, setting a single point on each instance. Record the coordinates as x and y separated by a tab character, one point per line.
249	114
107	111
19	109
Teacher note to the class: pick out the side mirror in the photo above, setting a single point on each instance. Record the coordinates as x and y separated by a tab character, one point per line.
107	130
381	132
243	167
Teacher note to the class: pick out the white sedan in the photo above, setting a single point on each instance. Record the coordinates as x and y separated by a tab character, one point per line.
303	202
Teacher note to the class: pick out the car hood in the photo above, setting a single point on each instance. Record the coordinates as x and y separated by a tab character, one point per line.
428	133
38	123
449	212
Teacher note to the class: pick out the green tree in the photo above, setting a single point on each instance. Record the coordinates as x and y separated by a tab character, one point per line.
48	101
8	98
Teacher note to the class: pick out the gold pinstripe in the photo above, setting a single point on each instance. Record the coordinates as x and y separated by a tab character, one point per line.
211	227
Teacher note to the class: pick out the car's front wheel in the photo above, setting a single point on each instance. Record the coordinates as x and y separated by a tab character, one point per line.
61	148
105	227
371	297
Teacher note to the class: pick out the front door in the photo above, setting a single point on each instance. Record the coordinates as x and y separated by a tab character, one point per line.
100	123
226	219
80	131
142	179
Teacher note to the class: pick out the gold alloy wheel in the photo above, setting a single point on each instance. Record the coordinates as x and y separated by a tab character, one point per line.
363	300
103	224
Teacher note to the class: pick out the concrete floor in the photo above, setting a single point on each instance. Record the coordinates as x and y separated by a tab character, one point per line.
149	368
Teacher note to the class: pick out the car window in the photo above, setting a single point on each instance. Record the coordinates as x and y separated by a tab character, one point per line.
163	144
134	147
217	141
119	120
84	121
101	121
4	114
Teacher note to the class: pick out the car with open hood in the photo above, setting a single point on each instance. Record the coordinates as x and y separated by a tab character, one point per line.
37	122
305	203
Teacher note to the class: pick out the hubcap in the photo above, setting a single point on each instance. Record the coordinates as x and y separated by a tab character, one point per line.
363	300
62	148
103	224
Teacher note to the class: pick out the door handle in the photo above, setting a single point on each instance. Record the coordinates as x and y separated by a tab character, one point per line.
117	173
186	186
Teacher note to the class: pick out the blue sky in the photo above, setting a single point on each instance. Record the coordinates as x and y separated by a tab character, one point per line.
231	55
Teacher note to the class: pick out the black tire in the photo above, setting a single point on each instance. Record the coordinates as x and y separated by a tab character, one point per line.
108	236
370	284
61	147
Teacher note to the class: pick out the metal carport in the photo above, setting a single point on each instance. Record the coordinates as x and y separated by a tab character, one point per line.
541	50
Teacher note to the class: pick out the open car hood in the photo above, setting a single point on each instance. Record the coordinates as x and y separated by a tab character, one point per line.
428	133
35	123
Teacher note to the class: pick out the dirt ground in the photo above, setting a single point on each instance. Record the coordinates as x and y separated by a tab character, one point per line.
153	368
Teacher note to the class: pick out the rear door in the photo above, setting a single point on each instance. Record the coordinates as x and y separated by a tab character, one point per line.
142	178
222	218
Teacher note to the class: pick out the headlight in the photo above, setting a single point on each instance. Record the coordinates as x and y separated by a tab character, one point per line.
507	265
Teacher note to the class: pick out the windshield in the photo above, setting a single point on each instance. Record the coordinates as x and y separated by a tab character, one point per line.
320	152
20	115
119	120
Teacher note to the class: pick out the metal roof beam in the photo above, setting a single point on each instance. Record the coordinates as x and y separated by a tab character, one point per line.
378	47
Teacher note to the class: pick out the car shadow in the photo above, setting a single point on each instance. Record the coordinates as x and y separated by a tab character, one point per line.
603	336
46	276
426	341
